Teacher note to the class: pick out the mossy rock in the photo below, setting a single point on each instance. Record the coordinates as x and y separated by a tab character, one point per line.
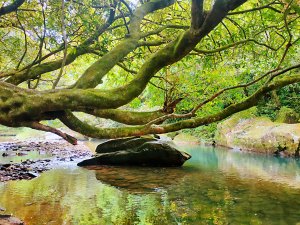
184	138
172	135
137	152
258	134
122	143
226	126
287	115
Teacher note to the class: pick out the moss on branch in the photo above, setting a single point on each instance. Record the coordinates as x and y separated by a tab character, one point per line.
19	107
75	124
127	117
95	73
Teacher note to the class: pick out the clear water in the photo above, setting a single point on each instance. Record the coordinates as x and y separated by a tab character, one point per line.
215	187
30	155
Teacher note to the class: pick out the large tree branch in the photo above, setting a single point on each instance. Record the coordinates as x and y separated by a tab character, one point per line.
170	54
271	74
75	124
22	107
34	72
118	115
33	104
126	117
192	123
19	104
131	117
94	74
11	8
177	49
39	126
197	14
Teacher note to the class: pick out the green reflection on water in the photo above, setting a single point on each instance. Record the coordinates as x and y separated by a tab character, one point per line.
214	187
29	155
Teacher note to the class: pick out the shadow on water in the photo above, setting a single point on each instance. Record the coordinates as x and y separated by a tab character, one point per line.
216	186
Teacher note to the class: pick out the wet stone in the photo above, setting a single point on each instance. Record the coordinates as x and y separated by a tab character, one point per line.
5	154
32	174
6	165
137	152
10	220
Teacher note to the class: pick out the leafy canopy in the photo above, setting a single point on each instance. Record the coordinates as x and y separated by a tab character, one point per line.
192	62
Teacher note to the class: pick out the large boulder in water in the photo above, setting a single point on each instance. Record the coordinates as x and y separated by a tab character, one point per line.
137	152
248	132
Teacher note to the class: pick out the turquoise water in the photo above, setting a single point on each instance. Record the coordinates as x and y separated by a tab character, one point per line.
216	186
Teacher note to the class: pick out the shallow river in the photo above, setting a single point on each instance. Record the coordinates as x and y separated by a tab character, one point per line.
215	187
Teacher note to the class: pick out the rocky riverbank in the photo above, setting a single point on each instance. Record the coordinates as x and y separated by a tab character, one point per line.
27	159
245	131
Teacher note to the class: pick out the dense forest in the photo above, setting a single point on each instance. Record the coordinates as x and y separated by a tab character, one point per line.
152	66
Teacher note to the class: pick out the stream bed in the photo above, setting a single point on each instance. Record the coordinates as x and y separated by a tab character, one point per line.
216	186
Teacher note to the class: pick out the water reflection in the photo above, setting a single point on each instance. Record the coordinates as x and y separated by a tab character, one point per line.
138	179
285	171
20	156
215	187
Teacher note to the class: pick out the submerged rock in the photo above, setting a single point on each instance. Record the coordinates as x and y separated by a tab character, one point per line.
10	220
137	151
259	134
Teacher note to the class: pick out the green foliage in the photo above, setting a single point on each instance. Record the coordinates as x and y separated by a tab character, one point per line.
287	115
204	133
259	41
267	107
288	96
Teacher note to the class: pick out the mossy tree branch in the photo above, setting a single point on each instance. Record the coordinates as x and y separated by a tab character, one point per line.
21	107
75	124
94	74
11	7
127	117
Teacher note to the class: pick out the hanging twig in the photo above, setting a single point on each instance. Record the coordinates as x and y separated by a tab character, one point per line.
65	43
25	40
42	39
